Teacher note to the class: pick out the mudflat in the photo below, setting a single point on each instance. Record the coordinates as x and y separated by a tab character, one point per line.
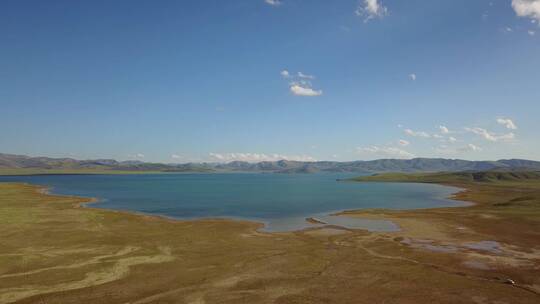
54	251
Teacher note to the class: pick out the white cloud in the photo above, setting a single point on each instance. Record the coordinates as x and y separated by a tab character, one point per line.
176	156
305	76
531	32
370	9
508	123
444	130
527	8
482	132
403	143
470	148
299	89
385	152
412	77
136	155
444	149
300	84
273	2
417	133
506	137
442	138
257	157
491	136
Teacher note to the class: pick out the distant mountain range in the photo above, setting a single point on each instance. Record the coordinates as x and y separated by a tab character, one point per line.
10	161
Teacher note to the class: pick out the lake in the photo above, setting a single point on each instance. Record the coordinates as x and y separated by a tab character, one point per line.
281	201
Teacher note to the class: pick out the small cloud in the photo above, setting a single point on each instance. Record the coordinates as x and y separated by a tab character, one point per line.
136	155
491	136
471	147
508	29
273	2
258	157
482	132
403	143
444	130
417	133
508	123
302	75
300	84
506	137
385	152
527	9
304	90
443	149
438	136
176	156
370	9
531	32
412	77
452	139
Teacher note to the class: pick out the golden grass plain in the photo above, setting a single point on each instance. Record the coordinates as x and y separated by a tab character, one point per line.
54	251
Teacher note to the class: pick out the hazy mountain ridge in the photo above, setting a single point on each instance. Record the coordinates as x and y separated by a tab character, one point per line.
11	161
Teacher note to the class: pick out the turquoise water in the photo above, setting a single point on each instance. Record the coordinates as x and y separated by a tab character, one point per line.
281	201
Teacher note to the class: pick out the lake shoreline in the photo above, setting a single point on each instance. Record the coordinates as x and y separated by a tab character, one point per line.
297	223
468	248
368	223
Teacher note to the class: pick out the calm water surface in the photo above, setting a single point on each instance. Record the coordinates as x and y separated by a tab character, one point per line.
281	201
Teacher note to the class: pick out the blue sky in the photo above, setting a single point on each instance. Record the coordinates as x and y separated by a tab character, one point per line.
179	81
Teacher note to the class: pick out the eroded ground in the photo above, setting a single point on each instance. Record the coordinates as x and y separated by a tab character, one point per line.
54	252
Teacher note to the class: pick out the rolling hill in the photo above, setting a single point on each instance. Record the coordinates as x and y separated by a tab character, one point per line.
14	163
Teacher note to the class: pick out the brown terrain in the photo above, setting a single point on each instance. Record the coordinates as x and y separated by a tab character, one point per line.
53	251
